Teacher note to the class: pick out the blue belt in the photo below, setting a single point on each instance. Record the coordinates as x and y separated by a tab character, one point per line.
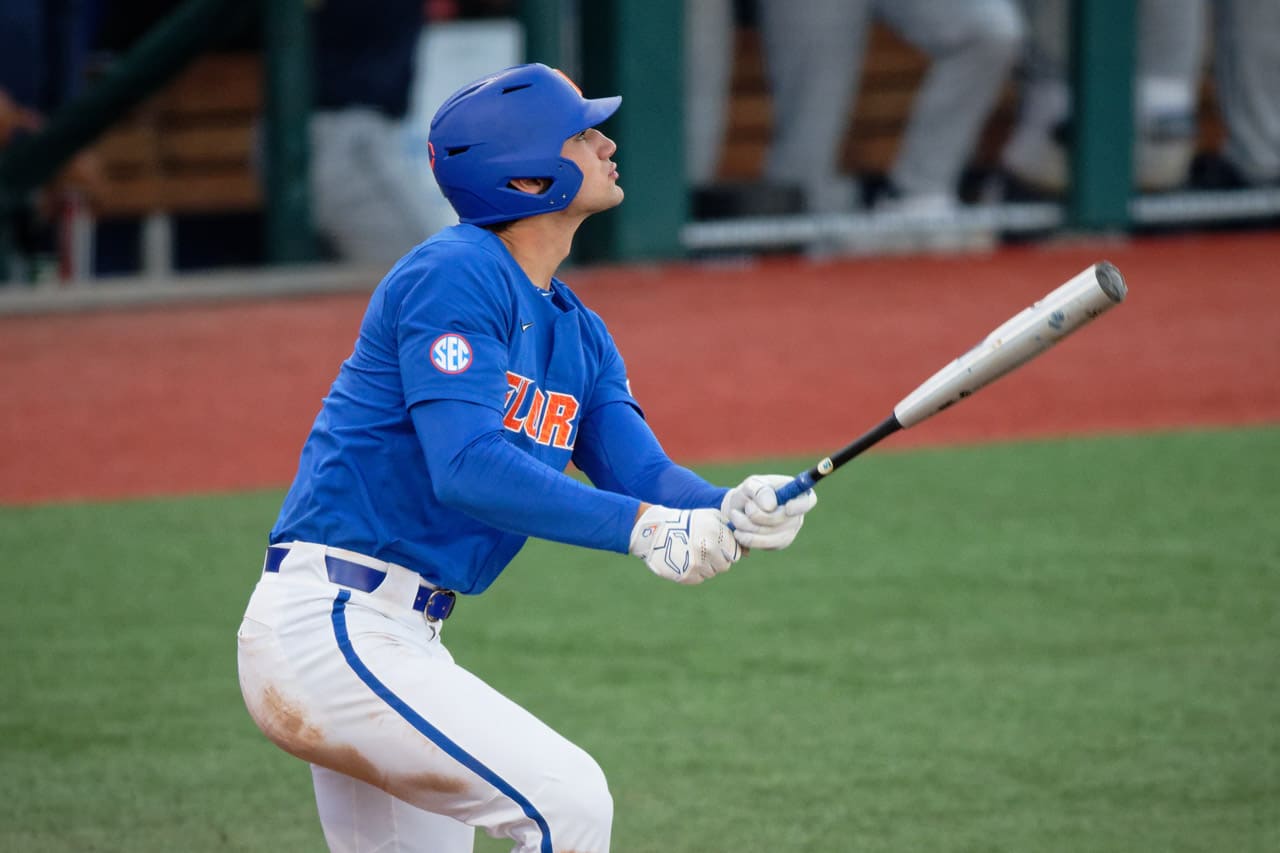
434	604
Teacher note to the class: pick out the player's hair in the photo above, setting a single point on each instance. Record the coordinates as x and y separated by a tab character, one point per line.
511	125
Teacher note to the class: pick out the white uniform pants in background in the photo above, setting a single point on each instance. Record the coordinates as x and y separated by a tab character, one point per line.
1170	52
815	51
1247	76
409	750
709	33
368	198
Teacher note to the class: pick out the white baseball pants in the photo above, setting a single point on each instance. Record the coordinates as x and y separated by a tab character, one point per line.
409	750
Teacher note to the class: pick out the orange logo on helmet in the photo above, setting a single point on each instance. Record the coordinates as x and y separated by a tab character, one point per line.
567	80
431	153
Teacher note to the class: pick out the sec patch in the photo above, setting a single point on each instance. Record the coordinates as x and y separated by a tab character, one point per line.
451	353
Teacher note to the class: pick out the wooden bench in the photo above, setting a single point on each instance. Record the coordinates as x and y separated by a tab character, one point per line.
189	149
892	75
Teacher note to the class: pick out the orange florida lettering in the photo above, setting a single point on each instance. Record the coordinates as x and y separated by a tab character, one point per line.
519	389
548	417
557	420
535	412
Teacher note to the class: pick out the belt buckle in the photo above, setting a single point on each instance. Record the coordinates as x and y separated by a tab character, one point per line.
439	605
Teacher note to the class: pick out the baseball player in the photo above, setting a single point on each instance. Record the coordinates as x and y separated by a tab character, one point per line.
477	377
815	52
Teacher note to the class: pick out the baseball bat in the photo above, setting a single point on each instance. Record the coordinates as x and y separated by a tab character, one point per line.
1011	344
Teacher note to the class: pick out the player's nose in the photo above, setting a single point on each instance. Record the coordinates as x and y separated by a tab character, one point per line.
606	147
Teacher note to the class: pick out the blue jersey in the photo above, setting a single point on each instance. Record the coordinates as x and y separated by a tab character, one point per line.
456	319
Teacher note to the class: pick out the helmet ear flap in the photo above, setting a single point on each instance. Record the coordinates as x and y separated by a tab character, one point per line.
564	181
509	126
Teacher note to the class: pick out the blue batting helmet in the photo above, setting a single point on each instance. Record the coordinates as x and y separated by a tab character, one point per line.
511	125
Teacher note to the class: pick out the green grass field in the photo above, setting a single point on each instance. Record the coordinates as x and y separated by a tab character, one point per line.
1047	646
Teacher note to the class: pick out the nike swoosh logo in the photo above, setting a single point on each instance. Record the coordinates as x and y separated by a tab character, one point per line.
524	327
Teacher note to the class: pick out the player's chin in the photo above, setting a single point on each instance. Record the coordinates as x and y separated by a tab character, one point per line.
609	199
598	202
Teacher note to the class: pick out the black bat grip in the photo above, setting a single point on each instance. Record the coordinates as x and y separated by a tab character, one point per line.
805	481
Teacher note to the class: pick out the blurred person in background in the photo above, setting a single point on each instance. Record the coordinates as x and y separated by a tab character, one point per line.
1172	37
815	50
710	41
44	45
709	30
15	118
1168	64
368	202
1246	69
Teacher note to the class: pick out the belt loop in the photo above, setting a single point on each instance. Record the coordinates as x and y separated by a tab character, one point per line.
275	556
400	585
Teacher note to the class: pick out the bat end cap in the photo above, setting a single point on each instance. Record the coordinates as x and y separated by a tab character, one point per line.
1111	281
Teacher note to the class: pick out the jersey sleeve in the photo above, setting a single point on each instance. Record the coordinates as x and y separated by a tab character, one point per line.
475	470
452	327
611	384
617	451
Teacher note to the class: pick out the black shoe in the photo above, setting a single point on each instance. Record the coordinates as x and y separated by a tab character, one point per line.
733	200
1212	172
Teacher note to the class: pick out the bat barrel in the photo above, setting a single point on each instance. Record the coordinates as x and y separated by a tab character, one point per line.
1016	341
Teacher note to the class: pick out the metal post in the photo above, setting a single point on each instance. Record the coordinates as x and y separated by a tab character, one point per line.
543	22
290	237
1103	49
634	48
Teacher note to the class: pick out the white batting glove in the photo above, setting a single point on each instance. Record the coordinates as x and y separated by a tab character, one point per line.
684	545
758	521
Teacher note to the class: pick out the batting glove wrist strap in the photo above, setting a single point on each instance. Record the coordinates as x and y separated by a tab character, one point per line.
758	521
684	545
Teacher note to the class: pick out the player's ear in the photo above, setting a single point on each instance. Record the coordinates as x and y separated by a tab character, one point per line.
532	186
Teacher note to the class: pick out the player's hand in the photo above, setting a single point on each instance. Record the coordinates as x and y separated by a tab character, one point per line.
758	521
684	545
